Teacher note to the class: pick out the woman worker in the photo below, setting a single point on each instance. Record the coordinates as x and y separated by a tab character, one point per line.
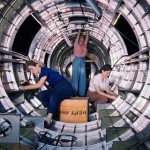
60	87
99	91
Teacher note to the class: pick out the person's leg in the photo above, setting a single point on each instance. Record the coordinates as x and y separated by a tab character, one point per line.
88	94
50	99
53	101
95	98
44	97
100	100
62	91
91	99
49	118
82	78
75	75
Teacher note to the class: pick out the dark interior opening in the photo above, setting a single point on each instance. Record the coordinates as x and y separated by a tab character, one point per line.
25	35
46	58
128	35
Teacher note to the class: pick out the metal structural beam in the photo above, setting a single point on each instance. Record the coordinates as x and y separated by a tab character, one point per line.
15	54
116	9
95	7
138	53
39	19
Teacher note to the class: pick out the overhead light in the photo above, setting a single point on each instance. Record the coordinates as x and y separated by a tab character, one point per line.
115	22
78	20
95	7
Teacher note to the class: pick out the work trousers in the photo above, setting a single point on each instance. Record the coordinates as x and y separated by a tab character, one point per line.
95	98
78	80
50	98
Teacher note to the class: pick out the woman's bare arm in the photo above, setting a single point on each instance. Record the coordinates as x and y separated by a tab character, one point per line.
104	94
78	36
34	86
87	37
111	92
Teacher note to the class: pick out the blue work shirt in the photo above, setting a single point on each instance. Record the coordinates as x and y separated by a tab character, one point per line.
53	77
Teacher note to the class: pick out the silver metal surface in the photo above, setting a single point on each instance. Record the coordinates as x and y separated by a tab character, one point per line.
131	75
13	136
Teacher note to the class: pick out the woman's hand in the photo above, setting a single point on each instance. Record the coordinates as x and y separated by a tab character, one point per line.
21	87
115	94
113	97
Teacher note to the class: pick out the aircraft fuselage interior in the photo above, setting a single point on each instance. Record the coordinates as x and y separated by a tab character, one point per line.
45	31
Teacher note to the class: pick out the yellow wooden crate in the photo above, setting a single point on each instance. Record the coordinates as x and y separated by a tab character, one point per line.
74	110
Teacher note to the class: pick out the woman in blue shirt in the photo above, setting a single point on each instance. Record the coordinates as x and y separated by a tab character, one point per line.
60	87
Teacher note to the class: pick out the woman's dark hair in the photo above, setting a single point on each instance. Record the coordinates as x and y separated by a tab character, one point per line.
31	62
106	67
82	36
